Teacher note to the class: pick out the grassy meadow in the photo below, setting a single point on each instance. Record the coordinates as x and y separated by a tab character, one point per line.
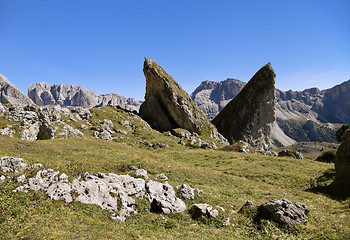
227	178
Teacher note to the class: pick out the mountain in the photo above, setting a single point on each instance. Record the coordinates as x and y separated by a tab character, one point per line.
9	93
307	115
70	95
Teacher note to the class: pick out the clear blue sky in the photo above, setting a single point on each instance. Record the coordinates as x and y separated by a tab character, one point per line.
101	45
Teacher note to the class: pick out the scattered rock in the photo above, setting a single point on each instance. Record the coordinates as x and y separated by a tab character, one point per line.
161	176
186	191
198	210
248	205
163	199
21	178
141	173
12	165
283	212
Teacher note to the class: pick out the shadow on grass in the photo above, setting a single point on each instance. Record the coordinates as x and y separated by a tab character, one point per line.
324	185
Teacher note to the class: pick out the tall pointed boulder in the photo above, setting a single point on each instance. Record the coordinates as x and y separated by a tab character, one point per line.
250	115
168	106
9	93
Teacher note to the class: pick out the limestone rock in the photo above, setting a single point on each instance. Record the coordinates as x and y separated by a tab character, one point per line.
246	206
161	176
141	173
342	162
163	199
167	106
198	210
283	212
12	165
250	115
186	191
9	93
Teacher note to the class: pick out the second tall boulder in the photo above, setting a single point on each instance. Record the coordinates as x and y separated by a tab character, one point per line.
251	114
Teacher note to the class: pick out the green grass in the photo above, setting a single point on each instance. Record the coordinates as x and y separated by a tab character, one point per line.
228	179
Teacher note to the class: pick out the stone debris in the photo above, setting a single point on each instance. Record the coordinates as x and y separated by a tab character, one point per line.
283	212
248	205
163	198
161	176
203	209
186	191
12	165
141	173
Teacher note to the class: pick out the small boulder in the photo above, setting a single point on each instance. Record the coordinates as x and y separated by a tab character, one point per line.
283	212
203	209
141	173
12	165
161	176
246	206
186	191
163	199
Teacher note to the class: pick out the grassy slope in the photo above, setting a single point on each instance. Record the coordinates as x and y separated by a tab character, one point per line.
227	178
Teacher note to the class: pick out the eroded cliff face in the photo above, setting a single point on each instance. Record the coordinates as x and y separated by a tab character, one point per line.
167	106
70	95
251	114
9	93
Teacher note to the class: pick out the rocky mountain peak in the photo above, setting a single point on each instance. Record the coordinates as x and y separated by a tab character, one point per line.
9	93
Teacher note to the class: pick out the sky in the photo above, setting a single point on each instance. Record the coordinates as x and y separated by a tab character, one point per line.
101	45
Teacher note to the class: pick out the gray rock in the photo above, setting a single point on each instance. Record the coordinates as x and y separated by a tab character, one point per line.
141	173
2	178
37	165
161	176
251	114
198	191
8	131
163	199
283	212
167	106
60	191
198	210
248	205
21	178
12	165
161	145
186	191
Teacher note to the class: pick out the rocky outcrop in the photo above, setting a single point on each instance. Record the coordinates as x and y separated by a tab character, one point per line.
250	115
342	162
10	94
203	209
283	212
167	106
70	95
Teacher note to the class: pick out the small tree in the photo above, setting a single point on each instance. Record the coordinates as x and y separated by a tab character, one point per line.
340	131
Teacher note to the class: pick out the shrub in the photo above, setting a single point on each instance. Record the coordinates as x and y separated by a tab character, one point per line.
340	131
327	156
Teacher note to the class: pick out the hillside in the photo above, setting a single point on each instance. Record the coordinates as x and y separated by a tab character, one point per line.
228	179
